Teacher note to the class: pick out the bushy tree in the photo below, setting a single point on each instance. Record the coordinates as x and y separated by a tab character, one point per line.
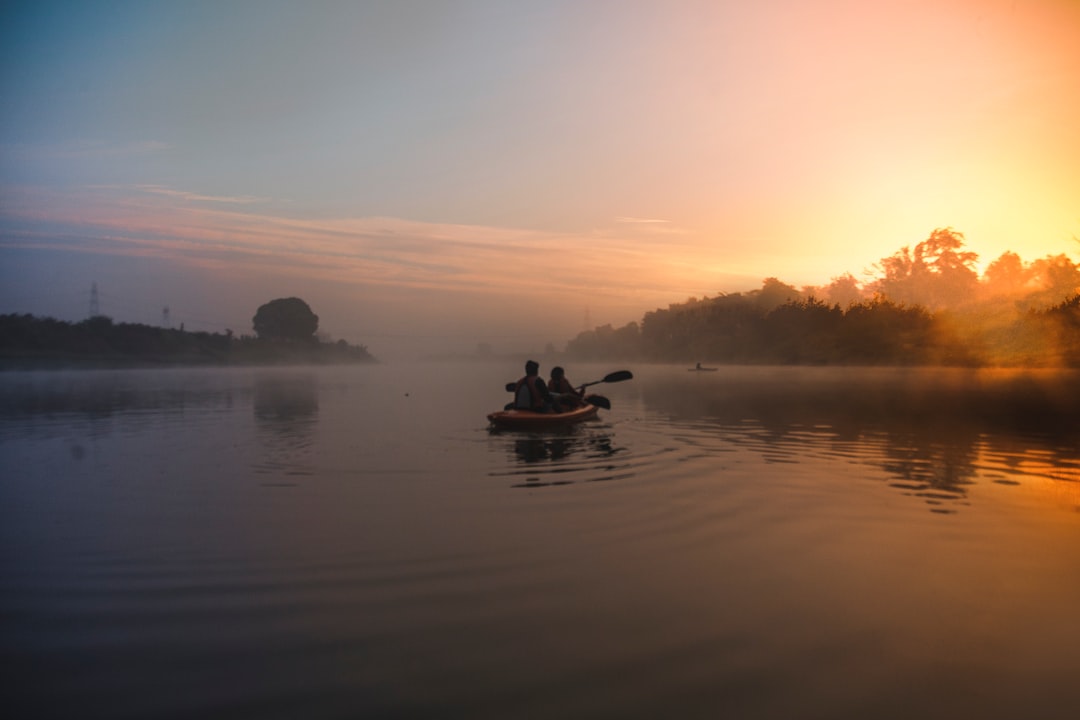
1006	276
607	342
928	307
1058	277
843	291
939	273
285	319
774	293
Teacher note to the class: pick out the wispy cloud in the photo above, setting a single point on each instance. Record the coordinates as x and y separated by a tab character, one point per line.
199	197
219	232
640	226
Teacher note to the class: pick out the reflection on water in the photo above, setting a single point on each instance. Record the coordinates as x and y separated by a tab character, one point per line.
584	453
925	468
105	394
286	406
282	400
936	433
766	551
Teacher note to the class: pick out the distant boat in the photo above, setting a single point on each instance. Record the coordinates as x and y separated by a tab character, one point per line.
698	368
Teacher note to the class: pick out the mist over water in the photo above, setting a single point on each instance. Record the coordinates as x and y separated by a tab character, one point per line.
353	541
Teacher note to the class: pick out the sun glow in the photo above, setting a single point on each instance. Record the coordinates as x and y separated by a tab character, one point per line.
689	149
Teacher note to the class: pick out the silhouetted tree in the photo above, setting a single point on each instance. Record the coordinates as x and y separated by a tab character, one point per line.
774	293
1065	321
27	341
607	343
802	332
881	331
285	319
843	291
938	273
950	266
1006	276
1057	277
928	308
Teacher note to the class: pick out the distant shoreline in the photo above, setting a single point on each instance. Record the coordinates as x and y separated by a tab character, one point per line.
32	343
77	362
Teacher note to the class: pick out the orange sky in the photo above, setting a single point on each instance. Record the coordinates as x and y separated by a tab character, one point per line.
493	171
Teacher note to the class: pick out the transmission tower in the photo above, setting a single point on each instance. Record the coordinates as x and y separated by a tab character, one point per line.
165	321
95	308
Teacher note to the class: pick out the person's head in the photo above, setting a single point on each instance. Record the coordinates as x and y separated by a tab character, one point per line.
532	367
557	373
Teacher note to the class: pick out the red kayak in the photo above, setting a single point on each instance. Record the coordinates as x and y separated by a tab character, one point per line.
531	420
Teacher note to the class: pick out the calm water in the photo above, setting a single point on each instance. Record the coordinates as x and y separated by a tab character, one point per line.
353	542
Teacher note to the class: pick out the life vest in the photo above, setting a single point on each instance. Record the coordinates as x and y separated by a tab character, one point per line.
562	385
526	395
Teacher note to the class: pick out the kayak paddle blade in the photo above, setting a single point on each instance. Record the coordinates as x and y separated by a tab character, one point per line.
599	401
617	376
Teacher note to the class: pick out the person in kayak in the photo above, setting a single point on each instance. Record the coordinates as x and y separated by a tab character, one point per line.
566	397
530	392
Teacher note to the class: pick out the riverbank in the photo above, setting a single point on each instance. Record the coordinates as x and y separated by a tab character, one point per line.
32	343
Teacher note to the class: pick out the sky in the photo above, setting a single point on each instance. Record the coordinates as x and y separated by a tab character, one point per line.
433	175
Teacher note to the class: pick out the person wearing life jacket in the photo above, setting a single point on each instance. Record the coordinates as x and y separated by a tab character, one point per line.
563	390
530	392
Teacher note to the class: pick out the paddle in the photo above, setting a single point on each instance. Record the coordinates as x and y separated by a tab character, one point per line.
599	401
617	376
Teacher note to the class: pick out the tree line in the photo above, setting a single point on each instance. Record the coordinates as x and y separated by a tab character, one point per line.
925	305
285	332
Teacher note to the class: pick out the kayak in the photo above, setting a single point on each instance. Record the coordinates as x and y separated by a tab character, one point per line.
531	420
703	369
